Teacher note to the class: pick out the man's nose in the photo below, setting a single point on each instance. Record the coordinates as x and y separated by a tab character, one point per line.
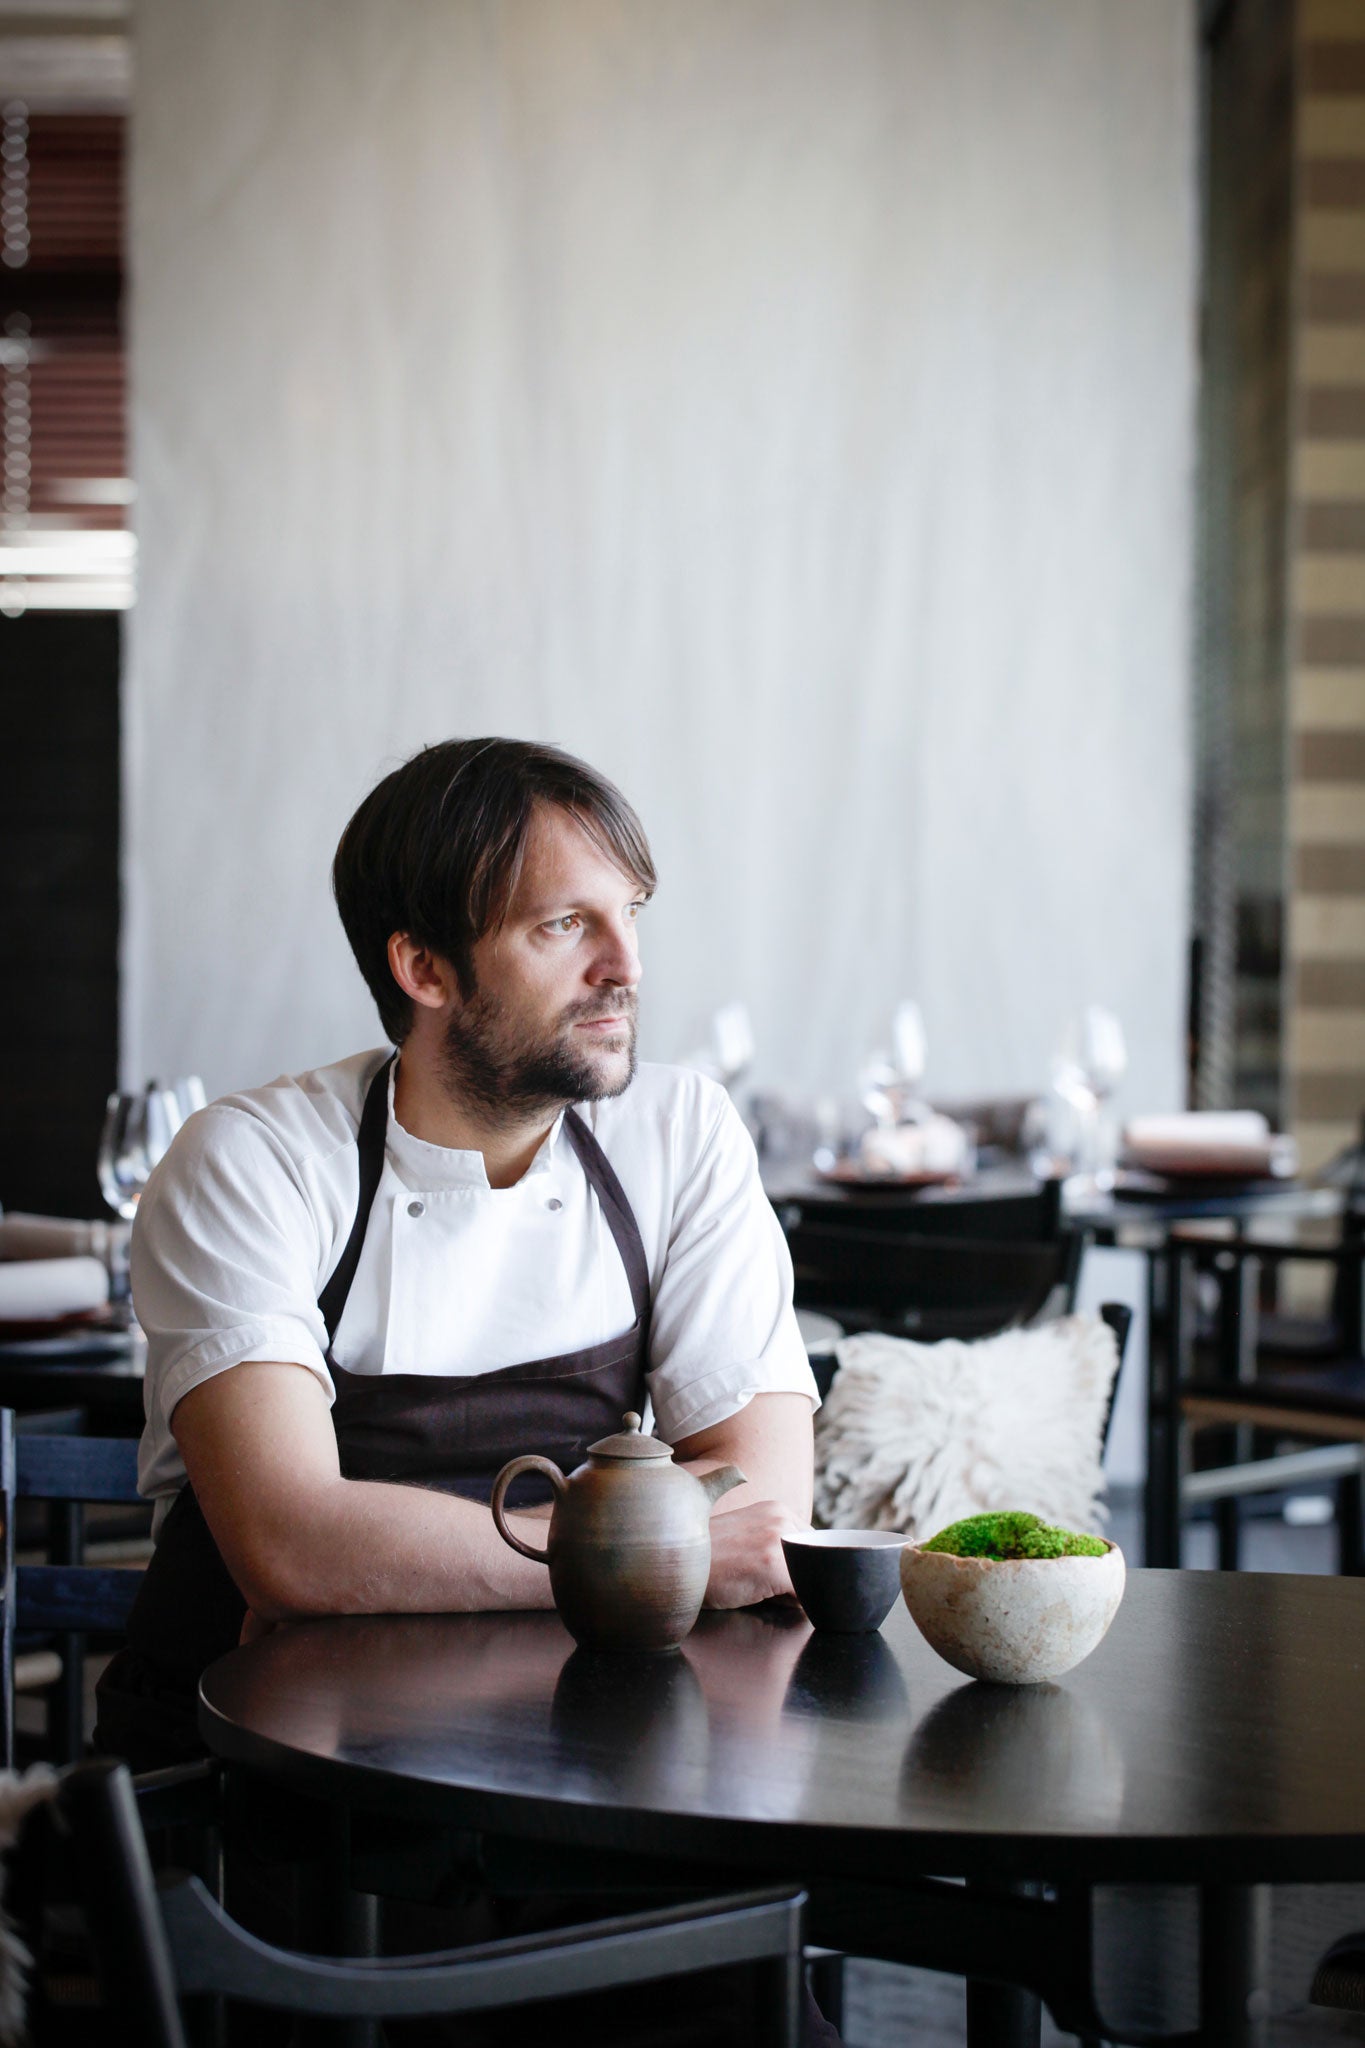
617	960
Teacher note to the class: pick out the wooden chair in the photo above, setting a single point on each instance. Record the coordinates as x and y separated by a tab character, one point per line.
1319	1398
65	1598
156	1945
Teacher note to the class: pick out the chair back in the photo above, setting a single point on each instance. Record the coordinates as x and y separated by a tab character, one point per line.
65	1596
156	1944
926	1288
1119	1316
1015	1215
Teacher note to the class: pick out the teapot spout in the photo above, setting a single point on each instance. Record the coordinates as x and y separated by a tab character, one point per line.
714	1484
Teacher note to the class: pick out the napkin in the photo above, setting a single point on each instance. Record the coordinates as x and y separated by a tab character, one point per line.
25	1236
937	1145
40	1290
1209	1141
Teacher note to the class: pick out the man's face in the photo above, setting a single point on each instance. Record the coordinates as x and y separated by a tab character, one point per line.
552	1016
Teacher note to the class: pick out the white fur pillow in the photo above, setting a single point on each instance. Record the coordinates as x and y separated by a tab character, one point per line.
913	1436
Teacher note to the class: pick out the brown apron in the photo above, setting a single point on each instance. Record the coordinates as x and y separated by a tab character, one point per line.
453	1434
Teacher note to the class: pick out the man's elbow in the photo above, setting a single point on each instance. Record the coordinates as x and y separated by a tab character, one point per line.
283	1571
276	1592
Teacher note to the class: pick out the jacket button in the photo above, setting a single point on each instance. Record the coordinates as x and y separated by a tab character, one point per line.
554	1203
417	1208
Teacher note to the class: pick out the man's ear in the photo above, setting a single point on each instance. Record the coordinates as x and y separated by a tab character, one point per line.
420	973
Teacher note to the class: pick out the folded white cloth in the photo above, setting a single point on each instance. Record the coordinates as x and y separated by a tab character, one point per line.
1209	1141
34	1290
937	1145
26	1236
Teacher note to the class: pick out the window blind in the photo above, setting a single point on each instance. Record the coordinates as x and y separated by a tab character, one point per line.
65	538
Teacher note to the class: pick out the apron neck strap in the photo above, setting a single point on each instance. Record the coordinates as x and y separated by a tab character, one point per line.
373	1133
619	1214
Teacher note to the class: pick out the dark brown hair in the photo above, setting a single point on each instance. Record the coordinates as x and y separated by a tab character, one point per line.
436	847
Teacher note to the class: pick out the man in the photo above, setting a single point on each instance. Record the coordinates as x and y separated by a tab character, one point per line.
365	1288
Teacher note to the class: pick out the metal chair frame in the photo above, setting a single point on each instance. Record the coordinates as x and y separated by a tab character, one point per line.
157	1943
1322	1402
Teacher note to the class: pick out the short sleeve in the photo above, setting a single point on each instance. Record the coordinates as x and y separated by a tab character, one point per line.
225	1255
723	1328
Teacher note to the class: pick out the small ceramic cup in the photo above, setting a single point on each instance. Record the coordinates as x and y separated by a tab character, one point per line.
846	1579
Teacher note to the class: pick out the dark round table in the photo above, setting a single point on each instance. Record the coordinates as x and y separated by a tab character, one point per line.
1212	1739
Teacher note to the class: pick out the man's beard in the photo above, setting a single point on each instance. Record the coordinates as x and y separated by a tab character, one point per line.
510	1074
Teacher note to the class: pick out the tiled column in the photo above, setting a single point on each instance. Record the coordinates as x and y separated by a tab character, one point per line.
1325	992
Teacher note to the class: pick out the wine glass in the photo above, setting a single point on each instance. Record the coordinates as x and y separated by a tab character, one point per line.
732	1042
729	1048
122	1162
137	1130
1091	1061
1101	1051
909	1049
889	1082
877	1084
189	1095
1103	1059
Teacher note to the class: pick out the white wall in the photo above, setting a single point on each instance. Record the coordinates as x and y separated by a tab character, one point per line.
785	404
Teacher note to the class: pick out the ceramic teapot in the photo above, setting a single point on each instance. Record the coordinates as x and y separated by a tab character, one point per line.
629	1547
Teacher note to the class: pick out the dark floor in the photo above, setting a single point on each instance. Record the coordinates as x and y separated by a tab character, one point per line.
1149	1979
1148	1942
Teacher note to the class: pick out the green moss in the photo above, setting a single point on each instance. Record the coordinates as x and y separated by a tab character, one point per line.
1011	1533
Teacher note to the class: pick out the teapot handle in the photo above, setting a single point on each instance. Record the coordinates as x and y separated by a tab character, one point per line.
500	1486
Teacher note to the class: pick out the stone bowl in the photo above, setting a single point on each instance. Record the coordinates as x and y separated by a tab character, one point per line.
1015	1621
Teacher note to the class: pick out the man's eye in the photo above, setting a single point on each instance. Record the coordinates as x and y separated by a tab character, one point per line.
567	923
633	909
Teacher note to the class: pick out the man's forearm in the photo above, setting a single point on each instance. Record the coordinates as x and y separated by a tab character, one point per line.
375	1548
772	1442
298	1538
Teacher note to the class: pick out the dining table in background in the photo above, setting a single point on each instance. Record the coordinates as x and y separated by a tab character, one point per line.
1139	1208
1212	1740
1156	1222
97	1369
798	1181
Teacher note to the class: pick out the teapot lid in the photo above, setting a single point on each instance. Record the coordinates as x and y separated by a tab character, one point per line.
628	1443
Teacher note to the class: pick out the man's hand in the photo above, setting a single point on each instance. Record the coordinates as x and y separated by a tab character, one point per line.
747	1564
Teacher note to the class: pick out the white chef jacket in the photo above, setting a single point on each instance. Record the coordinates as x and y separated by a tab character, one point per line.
244	1219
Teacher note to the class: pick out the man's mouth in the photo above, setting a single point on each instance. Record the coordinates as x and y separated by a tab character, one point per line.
621	1011
617	1022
